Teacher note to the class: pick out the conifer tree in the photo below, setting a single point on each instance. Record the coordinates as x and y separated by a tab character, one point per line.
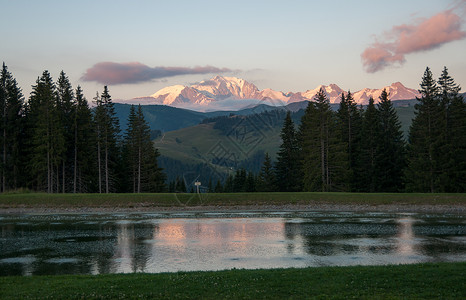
453	148
141	155
65	110
287	166
131	147
267	181
172	186
390	159
425	139
250	185
323	154
11	128
367	164
107	135
180	186
239	181
83	139
218	187
229	184
349	124
4	78
46	135
210	187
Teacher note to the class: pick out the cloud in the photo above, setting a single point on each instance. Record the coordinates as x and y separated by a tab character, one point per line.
425	35
135	72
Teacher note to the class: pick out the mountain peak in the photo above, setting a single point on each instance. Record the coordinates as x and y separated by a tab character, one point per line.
228	87
398	85
173	89
215	91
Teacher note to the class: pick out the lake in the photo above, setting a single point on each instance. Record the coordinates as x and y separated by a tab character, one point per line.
170	242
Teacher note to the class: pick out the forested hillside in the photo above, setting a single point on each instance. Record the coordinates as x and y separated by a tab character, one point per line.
54	142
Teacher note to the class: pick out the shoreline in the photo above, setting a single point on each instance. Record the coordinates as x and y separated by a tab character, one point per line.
459	209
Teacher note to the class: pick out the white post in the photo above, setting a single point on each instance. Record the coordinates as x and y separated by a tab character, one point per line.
197	184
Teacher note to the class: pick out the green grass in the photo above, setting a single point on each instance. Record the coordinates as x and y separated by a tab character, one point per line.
195	144
420	281
226	199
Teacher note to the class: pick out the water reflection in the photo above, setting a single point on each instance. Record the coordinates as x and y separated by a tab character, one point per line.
96	244
405	239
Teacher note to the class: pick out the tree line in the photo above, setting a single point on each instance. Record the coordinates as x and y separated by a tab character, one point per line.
54	142
363	150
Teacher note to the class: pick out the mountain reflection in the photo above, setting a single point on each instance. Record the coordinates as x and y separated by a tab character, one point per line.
123	244
405	239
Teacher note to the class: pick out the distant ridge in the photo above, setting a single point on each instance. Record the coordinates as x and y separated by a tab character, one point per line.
231	93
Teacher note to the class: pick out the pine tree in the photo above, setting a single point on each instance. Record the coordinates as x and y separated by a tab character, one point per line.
218	187
157	177
366	166
250	185
267	181
107	135
83	139
239	181
350	123
425	139
390	161
453	148
172	186
180	186
323	154
287	166
46	135
132	145
210	187
4	78
11	128
229	184
65	110
141	155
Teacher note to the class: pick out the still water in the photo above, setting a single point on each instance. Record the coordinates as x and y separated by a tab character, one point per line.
168	242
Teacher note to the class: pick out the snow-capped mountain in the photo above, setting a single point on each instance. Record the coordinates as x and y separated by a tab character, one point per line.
396	91
179	94
227	87
332	91
233	93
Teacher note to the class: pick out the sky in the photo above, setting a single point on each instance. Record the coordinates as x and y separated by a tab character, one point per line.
138	47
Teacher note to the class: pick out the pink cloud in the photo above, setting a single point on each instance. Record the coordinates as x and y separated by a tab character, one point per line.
404	39
135	72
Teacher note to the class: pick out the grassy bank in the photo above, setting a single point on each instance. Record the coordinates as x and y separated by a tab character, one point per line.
421	281
233	199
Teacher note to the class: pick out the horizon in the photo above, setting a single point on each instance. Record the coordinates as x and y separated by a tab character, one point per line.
139	48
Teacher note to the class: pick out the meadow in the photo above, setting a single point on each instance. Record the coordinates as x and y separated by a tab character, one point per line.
31	200
418	281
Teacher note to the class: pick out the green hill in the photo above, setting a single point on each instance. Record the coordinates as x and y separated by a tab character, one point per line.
209	152
213	144
168	118
223	144
161	117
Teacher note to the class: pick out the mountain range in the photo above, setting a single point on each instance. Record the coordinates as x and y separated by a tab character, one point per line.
231	93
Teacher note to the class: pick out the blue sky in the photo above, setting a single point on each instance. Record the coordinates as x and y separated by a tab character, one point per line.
283	45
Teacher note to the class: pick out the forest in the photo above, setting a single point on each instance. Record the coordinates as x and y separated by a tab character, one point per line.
363	150
56	143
